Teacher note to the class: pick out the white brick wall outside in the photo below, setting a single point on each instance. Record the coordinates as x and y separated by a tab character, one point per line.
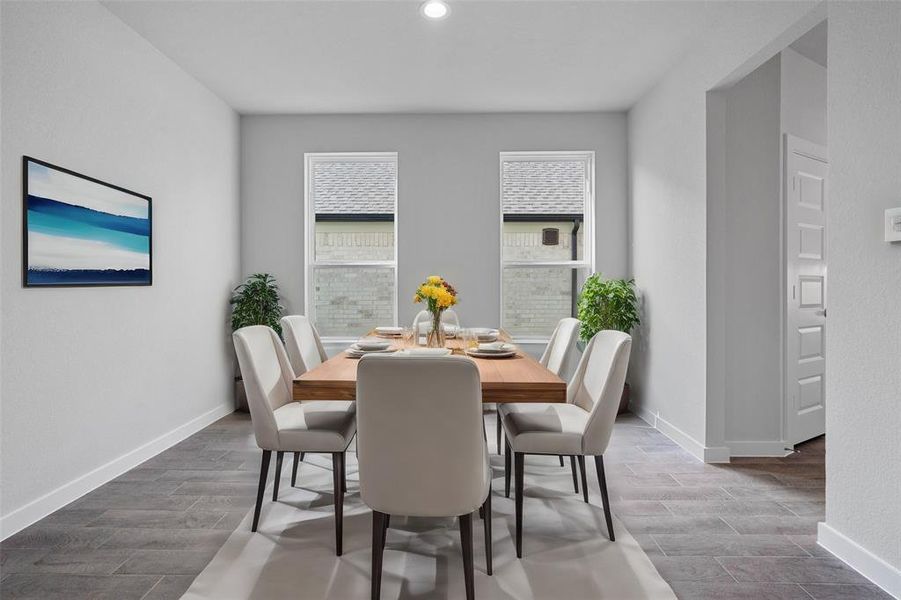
349	301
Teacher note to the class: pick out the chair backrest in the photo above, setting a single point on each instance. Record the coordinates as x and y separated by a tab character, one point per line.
450	318
302	342
422	449
422	322
597	386
267	379
560	347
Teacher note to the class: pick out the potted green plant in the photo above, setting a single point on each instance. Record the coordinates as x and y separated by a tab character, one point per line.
608	304
254	302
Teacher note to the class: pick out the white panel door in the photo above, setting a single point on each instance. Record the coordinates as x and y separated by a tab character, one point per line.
806	193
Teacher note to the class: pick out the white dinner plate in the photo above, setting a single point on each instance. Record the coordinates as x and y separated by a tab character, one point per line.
495	347
352	353
485	335
370	345
389	331
478	354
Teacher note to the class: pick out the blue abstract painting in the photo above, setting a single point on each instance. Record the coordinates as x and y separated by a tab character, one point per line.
80	231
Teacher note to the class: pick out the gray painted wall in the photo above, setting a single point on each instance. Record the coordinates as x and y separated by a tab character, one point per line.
803	88
92	375
863	384
448	193
751	269
668	228
787	94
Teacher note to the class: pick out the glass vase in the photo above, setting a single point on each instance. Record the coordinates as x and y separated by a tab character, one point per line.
436	338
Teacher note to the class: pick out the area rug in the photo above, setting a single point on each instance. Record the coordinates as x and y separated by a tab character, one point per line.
566	553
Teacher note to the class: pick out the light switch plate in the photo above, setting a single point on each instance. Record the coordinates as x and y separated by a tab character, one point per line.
893	224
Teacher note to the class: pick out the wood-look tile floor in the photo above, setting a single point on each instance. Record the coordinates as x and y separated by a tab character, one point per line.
741	531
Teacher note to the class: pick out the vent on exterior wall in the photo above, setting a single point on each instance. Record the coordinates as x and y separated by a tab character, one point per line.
550	236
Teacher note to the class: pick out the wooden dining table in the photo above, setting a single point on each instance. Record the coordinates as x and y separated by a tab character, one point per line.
520	378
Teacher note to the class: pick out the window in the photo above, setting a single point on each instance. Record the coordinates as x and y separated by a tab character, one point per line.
351	250
547	243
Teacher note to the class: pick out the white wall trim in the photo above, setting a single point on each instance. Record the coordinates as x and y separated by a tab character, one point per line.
37	509
860	559
758	448
688	443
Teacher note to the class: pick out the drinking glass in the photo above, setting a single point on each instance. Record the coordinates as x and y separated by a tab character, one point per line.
407	335
470	340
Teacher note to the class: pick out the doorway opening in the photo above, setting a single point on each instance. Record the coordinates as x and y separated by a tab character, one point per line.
768	187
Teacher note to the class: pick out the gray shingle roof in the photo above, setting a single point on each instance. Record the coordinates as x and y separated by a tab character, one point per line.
367	187
543	187
354	187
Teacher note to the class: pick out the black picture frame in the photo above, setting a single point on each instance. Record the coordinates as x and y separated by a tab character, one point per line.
25	228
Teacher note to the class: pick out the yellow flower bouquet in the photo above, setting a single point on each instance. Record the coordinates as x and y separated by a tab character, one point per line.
438	295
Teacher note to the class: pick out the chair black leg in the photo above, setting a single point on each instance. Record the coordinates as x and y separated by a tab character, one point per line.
602	482
302	456
343	472
264	473
387	523
499	451
378	547
466	541
486	508
508	468
339	502
561	460
297	460
519	460
572	464
278	474
584	480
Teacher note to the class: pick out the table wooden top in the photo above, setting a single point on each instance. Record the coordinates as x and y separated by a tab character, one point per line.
517	379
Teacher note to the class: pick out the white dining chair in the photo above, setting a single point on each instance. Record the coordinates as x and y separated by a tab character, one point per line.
561	346
579	427
422	448
422	322
305	349
305	352
281	425
557	357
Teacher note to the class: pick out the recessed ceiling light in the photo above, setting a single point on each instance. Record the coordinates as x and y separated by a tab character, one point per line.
434	9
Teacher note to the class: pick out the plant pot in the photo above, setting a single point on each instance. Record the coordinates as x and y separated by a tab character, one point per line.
624	400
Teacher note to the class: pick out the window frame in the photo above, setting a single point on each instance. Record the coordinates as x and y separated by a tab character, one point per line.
588	225
311	262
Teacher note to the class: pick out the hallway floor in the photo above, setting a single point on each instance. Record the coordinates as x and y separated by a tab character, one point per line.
741	531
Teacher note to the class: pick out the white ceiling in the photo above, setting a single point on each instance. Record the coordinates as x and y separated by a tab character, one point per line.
341	56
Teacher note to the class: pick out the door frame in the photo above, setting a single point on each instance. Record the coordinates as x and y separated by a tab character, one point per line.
797	145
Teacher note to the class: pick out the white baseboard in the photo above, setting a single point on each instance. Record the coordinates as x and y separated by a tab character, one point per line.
758	448
860	559
37	509
688	443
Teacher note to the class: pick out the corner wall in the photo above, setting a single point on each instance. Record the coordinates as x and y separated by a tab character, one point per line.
96	380
668	180
863	387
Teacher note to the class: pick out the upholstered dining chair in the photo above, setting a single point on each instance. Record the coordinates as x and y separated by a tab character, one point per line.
556	357
422	448
305	349
281	425
305	352
422	322
579	427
